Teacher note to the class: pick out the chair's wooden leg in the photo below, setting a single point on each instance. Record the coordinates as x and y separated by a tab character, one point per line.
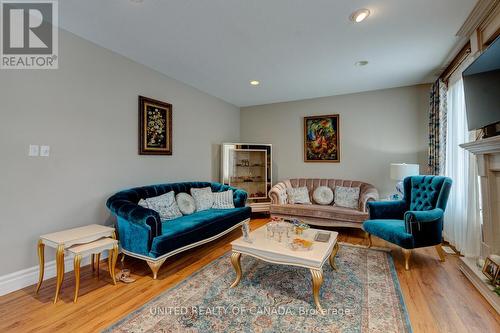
407	254
440	252
155	266
369	238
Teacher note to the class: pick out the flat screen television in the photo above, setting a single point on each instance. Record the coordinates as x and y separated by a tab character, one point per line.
482	91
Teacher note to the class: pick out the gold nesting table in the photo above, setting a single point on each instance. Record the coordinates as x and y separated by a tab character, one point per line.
88	240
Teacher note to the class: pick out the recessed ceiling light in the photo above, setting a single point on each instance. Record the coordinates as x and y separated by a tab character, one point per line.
361	63
360	15
254	83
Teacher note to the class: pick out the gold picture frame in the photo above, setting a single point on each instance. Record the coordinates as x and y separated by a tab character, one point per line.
322	138
155	127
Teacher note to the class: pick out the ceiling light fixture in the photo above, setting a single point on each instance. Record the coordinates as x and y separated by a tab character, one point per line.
254	83
360	15
361	63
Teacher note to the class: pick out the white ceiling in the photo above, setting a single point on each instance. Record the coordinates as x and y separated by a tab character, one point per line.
298	49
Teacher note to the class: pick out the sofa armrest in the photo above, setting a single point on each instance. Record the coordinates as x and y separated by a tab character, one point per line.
424	216
387	209
239	198
239	195
278	194
144	218
369	193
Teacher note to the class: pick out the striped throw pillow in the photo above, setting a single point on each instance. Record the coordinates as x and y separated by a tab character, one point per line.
223	200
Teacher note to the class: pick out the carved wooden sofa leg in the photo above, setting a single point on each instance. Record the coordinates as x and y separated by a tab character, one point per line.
155	266
440	252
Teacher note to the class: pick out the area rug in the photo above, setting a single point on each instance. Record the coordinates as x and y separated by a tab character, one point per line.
363	295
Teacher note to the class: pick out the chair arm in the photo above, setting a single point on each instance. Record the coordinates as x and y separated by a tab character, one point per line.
278	194
387	209
370	193
425	226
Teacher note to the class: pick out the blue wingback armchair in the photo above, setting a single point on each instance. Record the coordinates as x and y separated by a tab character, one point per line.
417	220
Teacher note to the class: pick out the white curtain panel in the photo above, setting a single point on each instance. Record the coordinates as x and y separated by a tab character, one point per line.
462	223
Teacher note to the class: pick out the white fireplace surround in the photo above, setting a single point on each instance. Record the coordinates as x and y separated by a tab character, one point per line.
487	152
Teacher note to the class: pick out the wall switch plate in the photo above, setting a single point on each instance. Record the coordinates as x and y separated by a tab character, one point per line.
44	151
34	149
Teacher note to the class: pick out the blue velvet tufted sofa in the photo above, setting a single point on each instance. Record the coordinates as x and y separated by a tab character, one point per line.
417	220
143	235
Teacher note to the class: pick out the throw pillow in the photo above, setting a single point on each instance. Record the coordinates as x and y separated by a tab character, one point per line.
165	205
347	196
186	203
323	195
299	195
223	200
143	203
203	198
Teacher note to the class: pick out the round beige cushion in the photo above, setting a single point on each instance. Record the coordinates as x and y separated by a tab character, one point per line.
186	204
323	195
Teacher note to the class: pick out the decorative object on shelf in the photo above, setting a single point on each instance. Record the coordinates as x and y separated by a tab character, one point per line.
248	167
491	269
399	171
321	138
155	127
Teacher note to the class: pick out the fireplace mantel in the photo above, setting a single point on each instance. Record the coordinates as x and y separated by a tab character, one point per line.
487	152
483	146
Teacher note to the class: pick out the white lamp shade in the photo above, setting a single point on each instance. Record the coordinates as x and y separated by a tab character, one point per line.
400	171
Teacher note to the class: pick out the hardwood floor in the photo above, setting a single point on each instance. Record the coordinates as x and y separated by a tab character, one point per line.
438	297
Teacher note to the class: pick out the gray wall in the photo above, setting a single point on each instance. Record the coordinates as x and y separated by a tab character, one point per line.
87	112
376	128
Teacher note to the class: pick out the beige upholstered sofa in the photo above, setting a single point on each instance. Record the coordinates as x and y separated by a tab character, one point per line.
324	215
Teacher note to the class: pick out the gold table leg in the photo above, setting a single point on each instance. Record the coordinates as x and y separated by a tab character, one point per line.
98	260
317	281
331	259
112	256
41	262
235	261
77	260
59	269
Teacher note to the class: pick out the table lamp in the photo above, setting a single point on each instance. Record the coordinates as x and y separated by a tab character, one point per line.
400	171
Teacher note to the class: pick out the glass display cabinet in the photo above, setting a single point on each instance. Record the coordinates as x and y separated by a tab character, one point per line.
248	167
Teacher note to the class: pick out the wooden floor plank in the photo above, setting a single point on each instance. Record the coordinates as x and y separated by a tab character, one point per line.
437	295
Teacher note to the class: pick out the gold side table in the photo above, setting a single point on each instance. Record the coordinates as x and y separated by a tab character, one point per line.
63	240
94	248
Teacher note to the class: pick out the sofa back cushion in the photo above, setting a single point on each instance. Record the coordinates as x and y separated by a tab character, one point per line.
314	183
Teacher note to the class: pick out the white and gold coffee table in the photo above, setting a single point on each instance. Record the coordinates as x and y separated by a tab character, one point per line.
271	251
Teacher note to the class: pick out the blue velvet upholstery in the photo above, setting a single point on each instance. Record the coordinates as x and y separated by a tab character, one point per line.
417	220
141	230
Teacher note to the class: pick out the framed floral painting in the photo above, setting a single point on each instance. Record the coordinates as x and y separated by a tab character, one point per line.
155	127
322	139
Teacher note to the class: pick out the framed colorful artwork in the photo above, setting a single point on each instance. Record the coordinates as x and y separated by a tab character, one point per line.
155	127
322	138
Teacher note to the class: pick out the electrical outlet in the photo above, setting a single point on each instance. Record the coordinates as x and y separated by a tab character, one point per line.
34	149
45	151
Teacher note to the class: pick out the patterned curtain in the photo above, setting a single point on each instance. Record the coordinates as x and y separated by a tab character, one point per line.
437	128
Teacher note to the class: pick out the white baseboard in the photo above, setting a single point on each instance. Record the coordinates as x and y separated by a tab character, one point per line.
29	276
